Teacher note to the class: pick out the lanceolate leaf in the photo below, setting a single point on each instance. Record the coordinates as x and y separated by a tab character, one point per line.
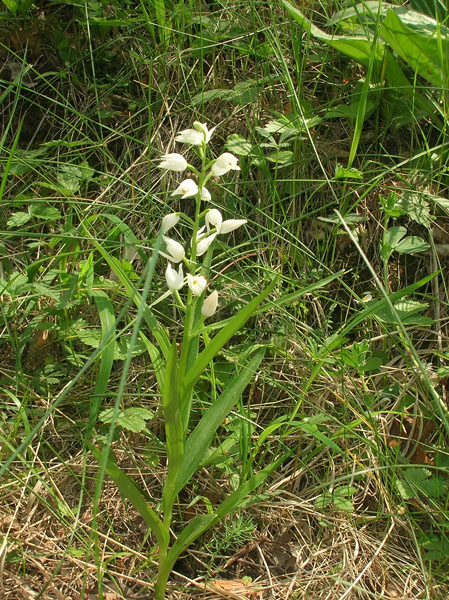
173	429
200	439
129	489
221	338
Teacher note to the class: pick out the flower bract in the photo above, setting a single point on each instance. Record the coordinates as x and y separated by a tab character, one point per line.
224	163
186	189
174	279
173	162
210	305
196	283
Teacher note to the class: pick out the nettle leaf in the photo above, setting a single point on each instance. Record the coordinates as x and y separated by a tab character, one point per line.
133	419
284	157
416	207
18	219
323	500
343	504
204	97
237	144
345	173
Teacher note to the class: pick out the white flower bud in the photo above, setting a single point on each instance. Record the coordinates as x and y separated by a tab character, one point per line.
175	251
214	218
175	280
173	162
205	195
231	225
186	189
224	163
210	305
196	283
169	221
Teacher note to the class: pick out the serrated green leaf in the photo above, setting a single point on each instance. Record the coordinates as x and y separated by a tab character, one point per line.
282	157
323	500
134	419
237	144
343	504
345	173
18	219
203	97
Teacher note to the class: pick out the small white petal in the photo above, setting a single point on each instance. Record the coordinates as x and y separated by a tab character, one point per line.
214	218
190	136
186	189
175	250
204	244
231	225
205	195
173	162
224	163
175	280
210	305
196	283
169	221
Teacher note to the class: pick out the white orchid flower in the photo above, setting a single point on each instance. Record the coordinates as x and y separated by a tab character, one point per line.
205	195
204	130
169	221
214	218
196	283
175	280
231	224
186	189
196	136
175	251
173	162
224	163
210	305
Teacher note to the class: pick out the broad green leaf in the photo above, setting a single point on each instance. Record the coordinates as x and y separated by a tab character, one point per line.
420	41
392	237
199	440
358	48
204	97
343	504
217	342
130	490
411	245
174	431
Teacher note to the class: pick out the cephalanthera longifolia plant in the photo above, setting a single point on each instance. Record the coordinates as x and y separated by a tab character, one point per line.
180	363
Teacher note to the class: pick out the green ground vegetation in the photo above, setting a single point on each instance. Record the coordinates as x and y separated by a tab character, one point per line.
338	113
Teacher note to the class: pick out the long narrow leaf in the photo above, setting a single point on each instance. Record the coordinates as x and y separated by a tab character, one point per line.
199	440
174	432
202	523
107	320
128	488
